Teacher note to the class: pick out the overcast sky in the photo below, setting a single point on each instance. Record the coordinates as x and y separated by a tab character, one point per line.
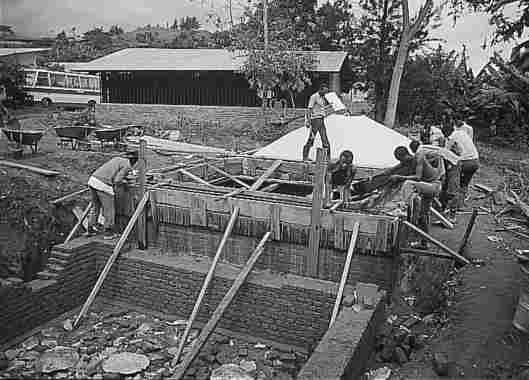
38	17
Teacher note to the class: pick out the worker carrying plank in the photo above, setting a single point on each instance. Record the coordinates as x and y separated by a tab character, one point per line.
102	185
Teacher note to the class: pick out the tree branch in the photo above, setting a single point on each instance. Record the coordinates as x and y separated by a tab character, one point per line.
500	4
496	59
405	15
423	14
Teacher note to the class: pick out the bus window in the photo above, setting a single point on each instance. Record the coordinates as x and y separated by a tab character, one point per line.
72	81
43	79
58	80
29	77
84	83
93	84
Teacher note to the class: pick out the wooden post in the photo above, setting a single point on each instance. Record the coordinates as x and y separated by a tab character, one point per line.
69	196
142	220
233	178
345	273
78	224
468	232
112	258
436	242
205	285
194	177
315	219
443	220
223	305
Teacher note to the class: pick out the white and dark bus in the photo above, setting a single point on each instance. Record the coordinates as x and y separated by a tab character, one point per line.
60	87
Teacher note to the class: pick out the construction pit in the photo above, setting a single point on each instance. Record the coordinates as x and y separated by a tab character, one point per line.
274	315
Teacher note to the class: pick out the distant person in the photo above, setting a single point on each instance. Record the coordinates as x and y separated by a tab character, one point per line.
460	143
88	116
101	184
342	172
317	110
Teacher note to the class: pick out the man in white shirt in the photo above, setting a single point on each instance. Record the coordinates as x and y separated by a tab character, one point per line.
460	142
318	108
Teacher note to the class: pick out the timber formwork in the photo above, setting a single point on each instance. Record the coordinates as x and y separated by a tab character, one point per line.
190	209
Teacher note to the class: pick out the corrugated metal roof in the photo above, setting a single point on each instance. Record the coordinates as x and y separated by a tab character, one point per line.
12	51
150	59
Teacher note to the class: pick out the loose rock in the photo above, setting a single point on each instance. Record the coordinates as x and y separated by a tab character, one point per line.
58	359
126	363
67	325
440	364
230	372
248	365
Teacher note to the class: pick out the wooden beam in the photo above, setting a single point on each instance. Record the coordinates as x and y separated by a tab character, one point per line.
194	177
172	168
468	232
422	252
112	258
315	218
257	184
345	273
225	174
270	188
277	180
209	276
142	220
78	224
336	205
443	220
207	330
69	196
436	242
44	172
79	214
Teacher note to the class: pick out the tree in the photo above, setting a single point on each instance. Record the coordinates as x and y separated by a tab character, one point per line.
409	31
6	31
175	25
12	77
189	23
115	30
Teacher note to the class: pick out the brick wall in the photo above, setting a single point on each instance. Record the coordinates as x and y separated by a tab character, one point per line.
344	350
175	241
283	308
25	306
145	114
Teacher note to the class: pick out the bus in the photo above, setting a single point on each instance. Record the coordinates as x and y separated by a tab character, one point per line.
60	87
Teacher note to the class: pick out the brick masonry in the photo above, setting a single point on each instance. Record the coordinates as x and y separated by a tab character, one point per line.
25	306
344	350
284	308
175	241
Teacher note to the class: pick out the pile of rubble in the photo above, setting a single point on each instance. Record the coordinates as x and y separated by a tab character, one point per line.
129	345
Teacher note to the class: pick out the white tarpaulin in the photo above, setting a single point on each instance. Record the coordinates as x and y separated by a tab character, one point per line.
371	143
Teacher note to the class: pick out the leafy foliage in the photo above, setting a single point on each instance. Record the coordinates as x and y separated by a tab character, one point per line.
189	23
12	77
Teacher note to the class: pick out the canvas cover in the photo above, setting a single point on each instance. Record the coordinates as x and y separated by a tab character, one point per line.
371	143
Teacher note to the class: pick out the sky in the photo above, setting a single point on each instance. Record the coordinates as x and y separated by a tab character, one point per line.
49	17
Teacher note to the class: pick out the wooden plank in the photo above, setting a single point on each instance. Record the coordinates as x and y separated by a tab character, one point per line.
336	205
194	177
79	215
315	218
436	242
257	184
270	188
278	180
443	220
339	233
422	252
233	178
69	196
468	231
275	221
44	172
78	224
142	219
345	273
207	280
112	258
208	329
198	212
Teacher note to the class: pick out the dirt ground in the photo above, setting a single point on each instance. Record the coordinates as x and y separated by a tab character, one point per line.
476	333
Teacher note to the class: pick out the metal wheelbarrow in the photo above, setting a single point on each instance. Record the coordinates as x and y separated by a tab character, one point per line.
24	137
74	133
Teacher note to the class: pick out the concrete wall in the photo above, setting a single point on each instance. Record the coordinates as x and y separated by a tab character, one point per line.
344	351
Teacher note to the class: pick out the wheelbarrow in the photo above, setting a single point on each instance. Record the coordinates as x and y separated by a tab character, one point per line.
24	137
75	134
113	135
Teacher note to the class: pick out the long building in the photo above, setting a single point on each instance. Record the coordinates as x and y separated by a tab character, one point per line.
208	77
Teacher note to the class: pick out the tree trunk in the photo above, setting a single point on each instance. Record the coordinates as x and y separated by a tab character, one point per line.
393	97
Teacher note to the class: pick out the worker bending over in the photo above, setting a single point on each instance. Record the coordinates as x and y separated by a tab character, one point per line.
426	181
450	186
341	173
460	143
102	185
317	110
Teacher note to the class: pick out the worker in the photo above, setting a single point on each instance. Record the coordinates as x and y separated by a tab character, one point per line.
341	173
450	185
4	113
88	116
426	181
102	188
317	110
460	143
